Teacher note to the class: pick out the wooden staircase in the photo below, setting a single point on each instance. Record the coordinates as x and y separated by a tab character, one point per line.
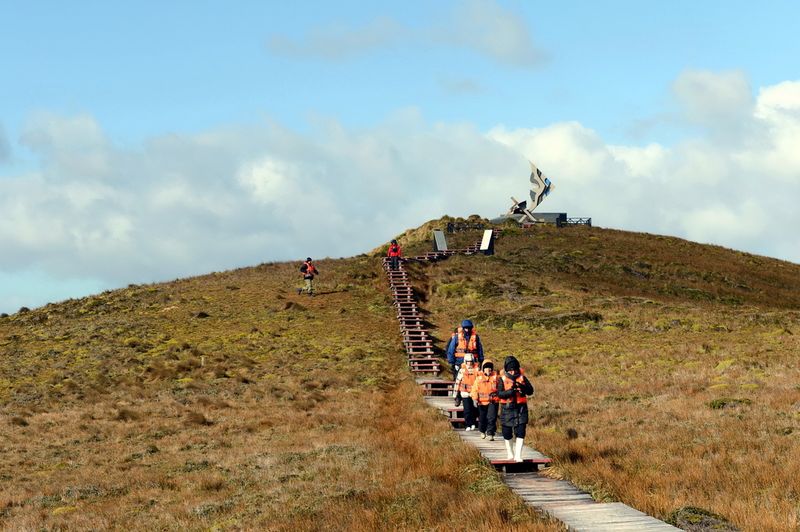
558	499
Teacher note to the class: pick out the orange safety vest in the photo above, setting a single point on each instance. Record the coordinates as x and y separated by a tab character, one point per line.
310	269
468	378
518	398
485	386
465	346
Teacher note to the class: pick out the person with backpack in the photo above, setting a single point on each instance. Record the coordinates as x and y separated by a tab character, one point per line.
464	340
308	271
484	395
394	254
462	390
513	387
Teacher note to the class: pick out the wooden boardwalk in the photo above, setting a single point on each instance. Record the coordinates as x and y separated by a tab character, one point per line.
558	499
493	451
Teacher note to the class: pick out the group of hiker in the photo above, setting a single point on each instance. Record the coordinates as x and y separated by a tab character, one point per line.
483	391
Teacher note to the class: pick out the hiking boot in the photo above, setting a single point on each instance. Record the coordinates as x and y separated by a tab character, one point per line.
518	450
491	437
483	435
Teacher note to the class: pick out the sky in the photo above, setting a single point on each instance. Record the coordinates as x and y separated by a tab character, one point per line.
147	141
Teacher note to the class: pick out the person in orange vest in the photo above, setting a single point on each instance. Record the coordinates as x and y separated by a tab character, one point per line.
484	395
464	340
513	387
308	271
462	390
394	255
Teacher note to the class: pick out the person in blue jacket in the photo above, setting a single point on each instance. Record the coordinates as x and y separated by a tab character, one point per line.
465	339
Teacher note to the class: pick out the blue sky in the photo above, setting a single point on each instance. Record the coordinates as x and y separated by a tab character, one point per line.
147	141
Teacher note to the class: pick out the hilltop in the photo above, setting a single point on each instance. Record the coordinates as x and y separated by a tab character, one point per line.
666	377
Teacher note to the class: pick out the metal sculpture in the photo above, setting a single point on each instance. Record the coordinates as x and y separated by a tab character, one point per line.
541	187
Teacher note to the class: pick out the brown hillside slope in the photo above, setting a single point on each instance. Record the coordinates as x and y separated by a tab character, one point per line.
228	401
675	363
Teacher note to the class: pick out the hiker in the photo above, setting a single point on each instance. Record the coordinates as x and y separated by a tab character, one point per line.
394	255
484	395
513	387
464	340
463	387
308	271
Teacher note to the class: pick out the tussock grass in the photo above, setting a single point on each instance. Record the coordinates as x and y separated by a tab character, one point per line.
682	394
282	412
274	411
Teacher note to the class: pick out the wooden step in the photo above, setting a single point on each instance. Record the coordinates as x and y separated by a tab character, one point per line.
419	349
423	361
436	387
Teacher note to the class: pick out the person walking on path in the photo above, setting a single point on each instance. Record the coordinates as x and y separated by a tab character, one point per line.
464	340
513	387
484	395
308	271
394	255
462	390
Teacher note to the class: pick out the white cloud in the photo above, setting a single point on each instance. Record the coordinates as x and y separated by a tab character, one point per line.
339	42
780	103
494	31
185	204
720	101
482	26
189	204
724	223
640	162
776	150
269	182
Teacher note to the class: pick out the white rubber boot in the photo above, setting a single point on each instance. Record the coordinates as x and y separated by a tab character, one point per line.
508	449
518	450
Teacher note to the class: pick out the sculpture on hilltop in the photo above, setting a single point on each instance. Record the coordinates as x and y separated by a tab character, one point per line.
541	187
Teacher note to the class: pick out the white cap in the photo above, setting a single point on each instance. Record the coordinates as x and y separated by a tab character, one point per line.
468	357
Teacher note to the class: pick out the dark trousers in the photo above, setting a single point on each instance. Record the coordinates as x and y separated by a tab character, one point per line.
487	418
509	432
469	411
394	262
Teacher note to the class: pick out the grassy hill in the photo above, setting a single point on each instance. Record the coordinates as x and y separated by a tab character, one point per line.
666	376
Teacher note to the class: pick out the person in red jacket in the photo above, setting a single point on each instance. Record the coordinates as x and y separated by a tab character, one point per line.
394	254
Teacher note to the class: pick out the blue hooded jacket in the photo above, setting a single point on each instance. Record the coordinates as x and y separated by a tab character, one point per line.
451	347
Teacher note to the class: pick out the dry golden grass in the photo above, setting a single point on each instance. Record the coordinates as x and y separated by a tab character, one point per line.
674	364
666	376
229	402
